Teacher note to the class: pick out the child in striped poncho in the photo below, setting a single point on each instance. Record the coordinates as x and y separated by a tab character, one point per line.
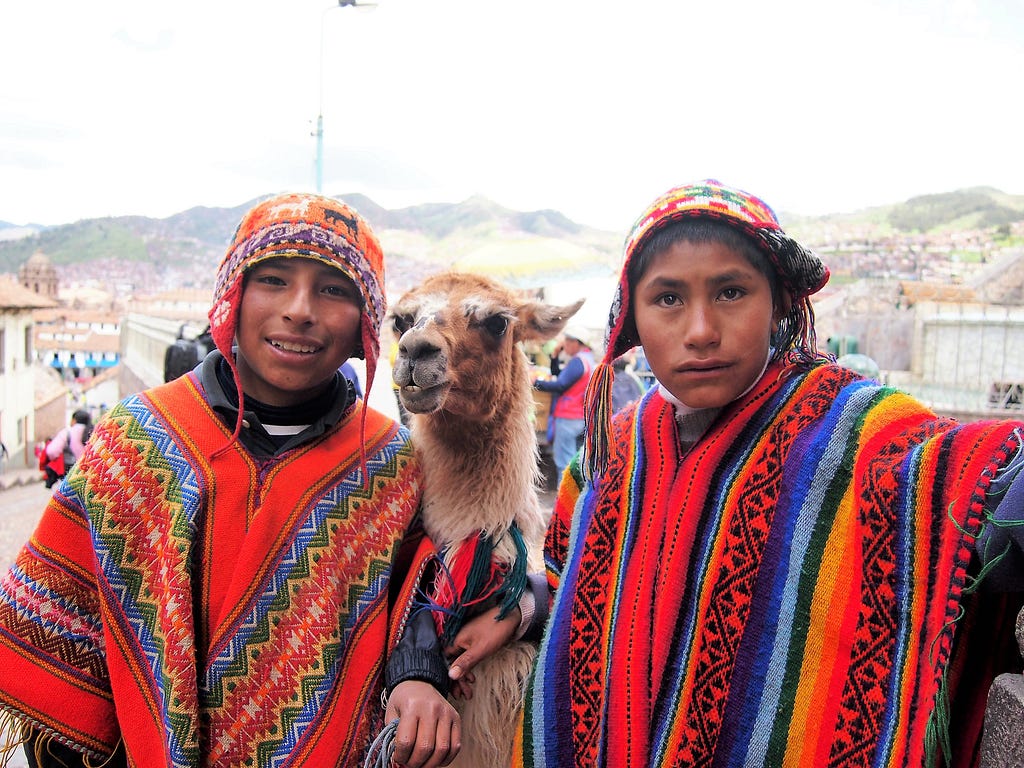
769	560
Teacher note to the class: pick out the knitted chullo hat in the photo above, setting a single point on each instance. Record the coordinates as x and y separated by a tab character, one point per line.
310	227
800	272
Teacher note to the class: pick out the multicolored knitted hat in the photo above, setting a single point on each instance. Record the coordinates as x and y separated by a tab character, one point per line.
310	227
800	271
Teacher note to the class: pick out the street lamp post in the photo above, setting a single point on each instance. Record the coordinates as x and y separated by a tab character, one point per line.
319	133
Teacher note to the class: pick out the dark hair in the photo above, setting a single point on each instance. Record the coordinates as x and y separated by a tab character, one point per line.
795	336
81	417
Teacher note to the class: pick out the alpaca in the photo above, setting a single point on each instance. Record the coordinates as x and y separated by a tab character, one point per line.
466	384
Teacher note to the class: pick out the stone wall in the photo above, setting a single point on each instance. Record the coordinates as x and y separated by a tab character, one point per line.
1002	745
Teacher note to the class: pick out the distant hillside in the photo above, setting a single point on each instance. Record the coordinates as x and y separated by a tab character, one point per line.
965	209
417	239
426	237
977	208
194	233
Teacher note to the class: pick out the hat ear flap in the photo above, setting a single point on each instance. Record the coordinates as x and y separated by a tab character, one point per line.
801	271
224	318
628	336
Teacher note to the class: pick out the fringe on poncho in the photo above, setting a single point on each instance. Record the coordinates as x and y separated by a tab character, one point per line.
212	611
785	593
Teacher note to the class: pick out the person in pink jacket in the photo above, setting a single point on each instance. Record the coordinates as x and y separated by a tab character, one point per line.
69	444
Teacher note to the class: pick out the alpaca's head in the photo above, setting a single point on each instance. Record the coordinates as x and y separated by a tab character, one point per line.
458	348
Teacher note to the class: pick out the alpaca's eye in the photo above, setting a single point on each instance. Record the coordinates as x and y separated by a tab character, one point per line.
496	325
402	323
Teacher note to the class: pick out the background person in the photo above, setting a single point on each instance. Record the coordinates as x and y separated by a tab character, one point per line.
66	447
219	579
626	386
568	387
352	375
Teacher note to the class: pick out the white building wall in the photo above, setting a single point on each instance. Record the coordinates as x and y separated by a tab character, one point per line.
17	388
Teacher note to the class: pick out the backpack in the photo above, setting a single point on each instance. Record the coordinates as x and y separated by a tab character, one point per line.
53	468
185	354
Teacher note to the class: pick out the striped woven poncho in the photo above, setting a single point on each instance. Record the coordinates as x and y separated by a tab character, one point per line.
785	593
231	617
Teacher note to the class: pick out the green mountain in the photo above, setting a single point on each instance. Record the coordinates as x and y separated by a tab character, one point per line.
184	249
977	208
423	237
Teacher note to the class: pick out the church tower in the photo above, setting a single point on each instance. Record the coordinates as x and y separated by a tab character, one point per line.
39	275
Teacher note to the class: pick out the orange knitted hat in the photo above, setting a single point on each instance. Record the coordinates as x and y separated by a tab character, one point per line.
302	226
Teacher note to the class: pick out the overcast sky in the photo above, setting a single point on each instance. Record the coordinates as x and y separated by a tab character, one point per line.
592	108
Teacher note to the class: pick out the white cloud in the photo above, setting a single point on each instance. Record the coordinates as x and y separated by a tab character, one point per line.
588	107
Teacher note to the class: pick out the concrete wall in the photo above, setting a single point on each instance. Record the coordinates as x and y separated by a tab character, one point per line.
144	341
51	416
968	346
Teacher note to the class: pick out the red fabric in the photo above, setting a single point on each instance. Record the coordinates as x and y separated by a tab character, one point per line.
569	404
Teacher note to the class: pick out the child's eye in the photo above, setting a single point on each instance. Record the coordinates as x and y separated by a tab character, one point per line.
731	294
668	300
341	291
268	278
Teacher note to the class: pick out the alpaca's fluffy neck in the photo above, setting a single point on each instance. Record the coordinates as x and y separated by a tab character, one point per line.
479	475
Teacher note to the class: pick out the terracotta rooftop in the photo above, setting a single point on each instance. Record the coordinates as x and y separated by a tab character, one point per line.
71	315
915	291
93	342
14	296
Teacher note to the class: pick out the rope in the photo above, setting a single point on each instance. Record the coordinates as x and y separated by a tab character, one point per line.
383	747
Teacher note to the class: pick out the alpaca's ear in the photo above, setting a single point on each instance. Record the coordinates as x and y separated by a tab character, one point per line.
540	322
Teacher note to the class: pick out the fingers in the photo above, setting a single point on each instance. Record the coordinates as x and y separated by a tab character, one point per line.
427	742
462	665
479	638
429	730
463	689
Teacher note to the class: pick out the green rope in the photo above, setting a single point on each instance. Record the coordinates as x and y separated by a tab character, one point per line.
936	734
515	579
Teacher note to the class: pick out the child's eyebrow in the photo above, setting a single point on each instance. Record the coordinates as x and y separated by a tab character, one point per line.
667	282
271	264
732	276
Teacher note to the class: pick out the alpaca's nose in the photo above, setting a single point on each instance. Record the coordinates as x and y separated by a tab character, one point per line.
415	346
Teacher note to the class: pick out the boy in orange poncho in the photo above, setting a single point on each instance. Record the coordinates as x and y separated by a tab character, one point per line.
220	578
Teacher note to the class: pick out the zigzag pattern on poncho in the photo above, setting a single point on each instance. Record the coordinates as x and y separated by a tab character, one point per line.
293	562
784	593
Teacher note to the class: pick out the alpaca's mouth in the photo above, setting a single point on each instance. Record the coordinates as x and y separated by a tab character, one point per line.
423	399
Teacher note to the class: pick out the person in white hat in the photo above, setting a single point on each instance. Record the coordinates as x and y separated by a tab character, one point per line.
569	388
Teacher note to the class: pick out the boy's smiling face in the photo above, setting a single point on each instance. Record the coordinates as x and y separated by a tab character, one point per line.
705	317
299	320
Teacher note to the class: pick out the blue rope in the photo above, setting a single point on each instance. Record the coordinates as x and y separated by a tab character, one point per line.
383	747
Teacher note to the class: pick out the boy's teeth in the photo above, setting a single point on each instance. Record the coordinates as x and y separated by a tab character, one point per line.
292	347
